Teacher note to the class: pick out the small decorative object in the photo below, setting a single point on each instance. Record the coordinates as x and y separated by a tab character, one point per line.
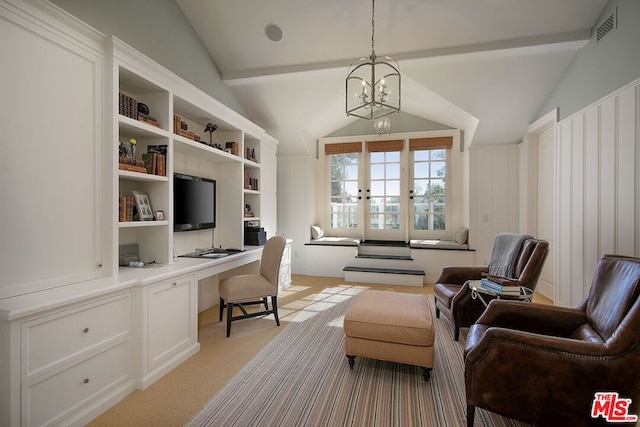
143	205
160	215
211	128
247	207
132	153
142	108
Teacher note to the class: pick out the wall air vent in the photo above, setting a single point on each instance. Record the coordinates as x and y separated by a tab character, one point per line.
606	26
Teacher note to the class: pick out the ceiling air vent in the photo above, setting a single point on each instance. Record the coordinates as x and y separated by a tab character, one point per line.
607	25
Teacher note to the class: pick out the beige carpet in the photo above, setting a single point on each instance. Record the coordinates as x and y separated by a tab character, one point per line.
176	397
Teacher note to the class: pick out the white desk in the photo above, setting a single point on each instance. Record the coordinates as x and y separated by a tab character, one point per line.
141	323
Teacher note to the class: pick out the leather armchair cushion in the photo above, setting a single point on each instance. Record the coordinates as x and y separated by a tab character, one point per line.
446	292
587	333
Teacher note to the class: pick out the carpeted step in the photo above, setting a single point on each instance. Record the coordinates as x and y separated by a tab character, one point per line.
388	276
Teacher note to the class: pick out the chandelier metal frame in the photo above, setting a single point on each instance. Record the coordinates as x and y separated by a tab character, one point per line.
373	84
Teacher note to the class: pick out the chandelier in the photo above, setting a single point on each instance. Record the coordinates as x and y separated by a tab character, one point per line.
373	84
382	125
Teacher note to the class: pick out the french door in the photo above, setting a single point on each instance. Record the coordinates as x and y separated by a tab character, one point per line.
385	215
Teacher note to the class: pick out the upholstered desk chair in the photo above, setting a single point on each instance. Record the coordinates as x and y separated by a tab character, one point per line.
453	295
249	289
544	364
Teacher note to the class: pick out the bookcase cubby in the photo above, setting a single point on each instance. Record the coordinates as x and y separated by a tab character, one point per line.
180	118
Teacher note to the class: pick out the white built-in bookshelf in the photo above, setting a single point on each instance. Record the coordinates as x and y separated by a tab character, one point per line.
180	113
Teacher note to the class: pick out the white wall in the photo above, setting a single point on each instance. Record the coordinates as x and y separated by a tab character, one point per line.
297	204
598	205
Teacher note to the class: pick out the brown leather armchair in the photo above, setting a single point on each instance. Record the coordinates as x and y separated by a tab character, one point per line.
543	364
453	295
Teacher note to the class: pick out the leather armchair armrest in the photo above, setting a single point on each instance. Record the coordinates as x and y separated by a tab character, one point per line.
510	370
459	275
532	317
503	341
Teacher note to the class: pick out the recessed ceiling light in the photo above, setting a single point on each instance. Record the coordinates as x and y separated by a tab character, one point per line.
273	32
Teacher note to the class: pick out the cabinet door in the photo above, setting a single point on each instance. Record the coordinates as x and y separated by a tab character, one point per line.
51	116
171	319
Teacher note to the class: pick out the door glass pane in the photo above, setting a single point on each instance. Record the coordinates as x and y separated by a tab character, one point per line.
344	190
384	201
429	201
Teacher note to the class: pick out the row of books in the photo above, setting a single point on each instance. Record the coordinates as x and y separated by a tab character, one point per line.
250	183
250	154
154	161
133	165
510	288
126	206
180	127
231	147
128	107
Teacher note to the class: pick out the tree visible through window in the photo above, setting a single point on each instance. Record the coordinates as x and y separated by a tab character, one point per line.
429	198
385	190
344	190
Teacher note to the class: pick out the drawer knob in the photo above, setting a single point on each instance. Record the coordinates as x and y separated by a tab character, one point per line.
85	330
86	381
175	283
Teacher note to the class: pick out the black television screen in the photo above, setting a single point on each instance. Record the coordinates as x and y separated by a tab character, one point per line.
194	202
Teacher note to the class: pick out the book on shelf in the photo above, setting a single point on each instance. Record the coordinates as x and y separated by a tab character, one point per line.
128	106
180	127
148	119
155	163
231	147
250	183
490	285
129	161
125	207
132	168
250	154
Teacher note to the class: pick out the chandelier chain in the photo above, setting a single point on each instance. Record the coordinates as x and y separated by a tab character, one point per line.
373	25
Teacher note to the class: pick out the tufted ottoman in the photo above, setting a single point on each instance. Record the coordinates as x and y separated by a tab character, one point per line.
390	326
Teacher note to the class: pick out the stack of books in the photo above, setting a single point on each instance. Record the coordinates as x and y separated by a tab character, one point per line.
500	286
126	206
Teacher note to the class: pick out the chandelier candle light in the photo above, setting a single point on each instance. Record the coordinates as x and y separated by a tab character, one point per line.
373	86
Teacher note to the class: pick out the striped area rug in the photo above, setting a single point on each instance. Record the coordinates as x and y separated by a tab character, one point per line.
302	378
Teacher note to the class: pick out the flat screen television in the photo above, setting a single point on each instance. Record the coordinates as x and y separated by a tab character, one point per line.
194	203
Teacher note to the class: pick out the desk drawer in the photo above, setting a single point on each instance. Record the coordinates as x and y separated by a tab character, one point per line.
53	339
49	400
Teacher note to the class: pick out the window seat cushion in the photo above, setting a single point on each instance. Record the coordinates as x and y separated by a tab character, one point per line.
335	241
438	244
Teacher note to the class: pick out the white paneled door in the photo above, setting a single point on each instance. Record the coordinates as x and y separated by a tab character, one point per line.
546	207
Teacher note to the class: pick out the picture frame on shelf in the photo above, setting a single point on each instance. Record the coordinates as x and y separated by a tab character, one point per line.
160	215
143	205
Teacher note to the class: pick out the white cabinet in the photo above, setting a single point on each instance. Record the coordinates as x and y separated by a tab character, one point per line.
55	206
61	359
170	333
284	280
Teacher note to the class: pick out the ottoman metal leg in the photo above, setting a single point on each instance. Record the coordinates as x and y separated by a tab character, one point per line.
352	361
426	373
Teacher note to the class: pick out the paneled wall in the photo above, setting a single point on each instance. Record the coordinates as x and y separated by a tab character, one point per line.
598	171
493	196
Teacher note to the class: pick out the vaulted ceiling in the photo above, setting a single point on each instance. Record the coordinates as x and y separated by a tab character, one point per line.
485	66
